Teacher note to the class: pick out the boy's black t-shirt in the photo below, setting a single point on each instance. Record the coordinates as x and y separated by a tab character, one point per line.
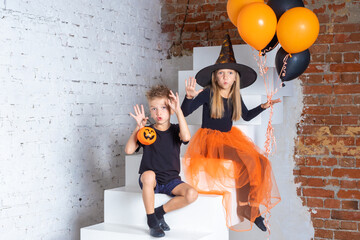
163	156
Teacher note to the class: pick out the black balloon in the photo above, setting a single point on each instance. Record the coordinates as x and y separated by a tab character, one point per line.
281	6
295	65
272	44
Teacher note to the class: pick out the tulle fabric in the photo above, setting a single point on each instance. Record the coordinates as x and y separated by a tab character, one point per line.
231	165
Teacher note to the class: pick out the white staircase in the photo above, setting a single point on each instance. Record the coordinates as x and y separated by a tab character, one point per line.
125	218
124	213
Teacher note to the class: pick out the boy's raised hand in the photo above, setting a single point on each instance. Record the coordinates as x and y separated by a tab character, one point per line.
174	102
190	88
139	116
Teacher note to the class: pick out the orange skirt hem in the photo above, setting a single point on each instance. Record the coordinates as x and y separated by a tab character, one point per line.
231	165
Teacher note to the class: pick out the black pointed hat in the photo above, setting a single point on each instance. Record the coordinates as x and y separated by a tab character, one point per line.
227	60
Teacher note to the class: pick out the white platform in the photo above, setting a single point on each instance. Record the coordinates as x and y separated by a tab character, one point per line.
125	217
244	54
134	213
108	231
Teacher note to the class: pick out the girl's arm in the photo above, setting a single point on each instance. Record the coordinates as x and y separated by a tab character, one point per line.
141	120
247	115
174	104
193	98
270	103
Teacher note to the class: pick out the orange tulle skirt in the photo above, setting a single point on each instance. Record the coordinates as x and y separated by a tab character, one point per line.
231	165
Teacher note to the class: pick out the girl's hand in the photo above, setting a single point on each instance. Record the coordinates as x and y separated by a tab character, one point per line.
190	88
270	103
139	116
174	102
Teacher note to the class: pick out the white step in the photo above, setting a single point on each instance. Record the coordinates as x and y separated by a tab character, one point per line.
132	163
125	206
107	231
244	54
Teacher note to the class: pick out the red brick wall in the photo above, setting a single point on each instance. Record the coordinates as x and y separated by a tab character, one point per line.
327	151
328	144
196	23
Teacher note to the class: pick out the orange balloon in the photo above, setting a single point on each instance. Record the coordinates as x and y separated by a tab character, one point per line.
257	24
233	8
297	29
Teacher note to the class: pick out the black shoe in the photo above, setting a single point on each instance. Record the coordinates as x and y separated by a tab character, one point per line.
163	225
157	232
259	221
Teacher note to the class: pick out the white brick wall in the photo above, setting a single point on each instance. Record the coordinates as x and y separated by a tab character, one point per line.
70	71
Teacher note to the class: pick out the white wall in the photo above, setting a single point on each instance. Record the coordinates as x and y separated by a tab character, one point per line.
289	219
70	71
293	220
170	69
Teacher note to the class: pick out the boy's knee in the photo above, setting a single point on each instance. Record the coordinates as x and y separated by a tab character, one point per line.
148	178
191	195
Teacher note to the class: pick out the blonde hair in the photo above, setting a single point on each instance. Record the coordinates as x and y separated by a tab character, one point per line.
217	104
158	91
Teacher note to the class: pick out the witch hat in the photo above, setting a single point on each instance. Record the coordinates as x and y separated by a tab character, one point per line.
227	60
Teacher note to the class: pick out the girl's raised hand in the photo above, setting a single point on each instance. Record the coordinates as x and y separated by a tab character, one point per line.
190	88
139	116
270	103
174	102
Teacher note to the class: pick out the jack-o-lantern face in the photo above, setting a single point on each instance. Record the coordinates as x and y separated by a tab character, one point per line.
146	135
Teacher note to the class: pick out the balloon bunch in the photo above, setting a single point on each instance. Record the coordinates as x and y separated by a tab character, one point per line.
264	26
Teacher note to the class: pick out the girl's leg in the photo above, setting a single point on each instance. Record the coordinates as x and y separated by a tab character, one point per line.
243	188
242	184
243	208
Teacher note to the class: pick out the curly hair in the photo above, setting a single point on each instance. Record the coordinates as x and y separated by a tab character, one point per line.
158	91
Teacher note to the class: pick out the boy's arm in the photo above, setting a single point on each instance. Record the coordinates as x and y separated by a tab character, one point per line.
140	119
131	144
184	129
174	103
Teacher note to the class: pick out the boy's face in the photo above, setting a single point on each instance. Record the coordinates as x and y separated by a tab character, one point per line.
159	110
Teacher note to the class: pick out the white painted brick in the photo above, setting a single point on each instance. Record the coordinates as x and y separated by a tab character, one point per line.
70	72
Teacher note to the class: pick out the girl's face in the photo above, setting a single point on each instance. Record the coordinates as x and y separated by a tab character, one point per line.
225	78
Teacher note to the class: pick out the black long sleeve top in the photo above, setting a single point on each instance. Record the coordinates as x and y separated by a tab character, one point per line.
223	124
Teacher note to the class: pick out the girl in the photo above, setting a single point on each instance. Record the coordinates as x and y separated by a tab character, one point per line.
220	159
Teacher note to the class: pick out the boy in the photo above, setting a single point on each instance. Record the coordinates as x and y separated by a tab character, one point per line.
160	163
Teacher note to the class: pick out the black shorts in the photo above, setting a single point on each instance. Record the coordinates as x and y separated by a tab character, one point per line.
164	188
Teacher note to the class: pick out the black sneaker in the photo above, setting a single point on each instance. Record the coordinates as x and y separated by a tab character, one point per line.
157	232
163	225
259	221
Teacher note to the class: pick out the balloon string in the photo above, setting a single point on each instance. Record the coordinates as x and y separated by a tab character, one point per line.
283	68
268	50
270	142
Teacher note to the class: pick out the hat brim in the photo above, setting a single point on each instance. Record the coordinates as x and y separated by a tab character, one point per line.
247	75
